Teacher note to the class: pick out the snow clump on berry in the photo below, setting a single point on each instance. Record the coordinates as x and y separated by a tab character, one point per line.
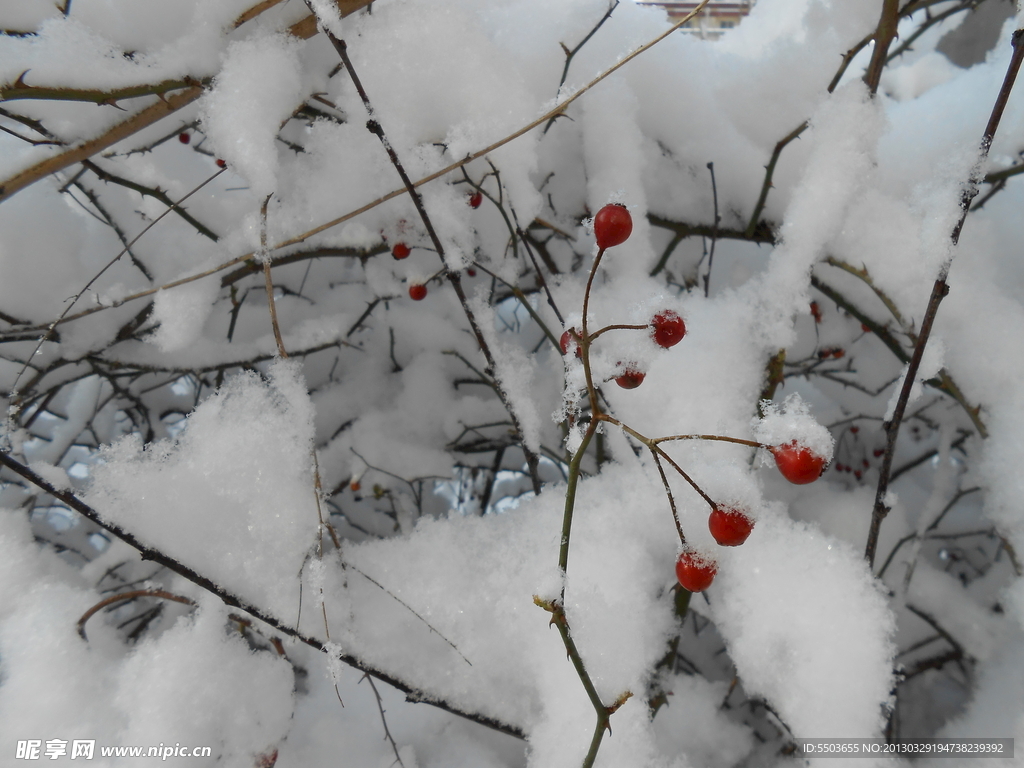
792	421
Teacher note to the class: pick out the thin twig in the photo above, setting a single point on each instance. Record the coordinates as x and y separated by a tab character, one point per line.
884	35
380	707
714	230
453	277
167	105
15	392
233	600
122	597
769	172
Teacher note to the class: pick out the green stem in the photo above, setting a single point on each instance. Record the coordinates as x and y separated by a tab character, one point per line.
570	500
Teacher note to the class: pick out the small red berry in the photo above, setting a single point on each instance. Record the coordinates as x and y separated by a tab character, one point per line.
669	329
694	571
866	463
878	452
471	272
864	328
221	163
730	527
566	341
417	291
854	430
631	378
184	138
612	225
816	311
857	473
838	352
400	251
797	463
475	200
356	486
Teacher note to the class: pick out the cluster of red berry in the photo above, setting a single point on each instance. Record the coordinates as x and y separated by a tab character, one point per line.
613	226
418	291
730	527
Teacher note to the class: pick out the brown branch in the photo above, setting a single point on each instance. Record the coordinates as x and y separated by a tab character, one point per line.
20	90
884	36
124	597
453	277
155	193
793	135
303	29
233	600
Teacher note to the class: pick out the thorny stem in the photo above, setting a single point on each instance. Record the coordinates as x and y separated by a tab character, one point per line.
383	720
570	54
883	39
768	173
939	291
453	277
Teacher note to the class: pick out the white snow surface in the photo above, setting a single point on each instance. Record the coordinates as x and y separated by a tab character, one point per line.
175	419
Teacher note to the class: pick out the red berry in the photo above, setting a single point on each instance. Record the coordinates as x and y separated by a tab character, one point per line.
400	251
864	328
471	272
356	486
797	463
184	138
221	163
878	452
857	473
566	341
475	200
631	378
730	527
612	225
816	311
417	291
694	571
854	430
669	329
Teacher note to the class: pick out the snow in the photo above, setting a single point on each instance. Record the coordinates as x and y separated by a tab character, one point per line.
256	89
174	417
